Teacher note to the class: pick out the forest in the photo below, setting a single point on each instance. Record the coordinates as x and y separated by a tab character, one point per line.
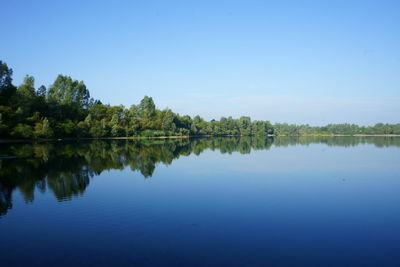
65	109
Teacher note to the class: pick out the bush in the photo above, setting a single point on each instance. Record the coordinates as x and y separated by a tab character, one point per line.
22	130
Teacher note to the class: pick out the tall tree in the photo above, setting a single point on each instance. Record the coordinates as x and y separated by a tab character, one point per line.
147	108
25	98
7	89
70	92
168	124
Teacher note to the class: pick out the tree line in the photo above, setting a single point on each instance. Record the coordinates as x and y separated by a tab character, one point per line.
65	109
336	129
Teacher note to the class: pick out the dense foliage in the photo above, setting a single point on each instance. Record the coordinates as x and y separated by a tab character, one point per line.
336	129
65	109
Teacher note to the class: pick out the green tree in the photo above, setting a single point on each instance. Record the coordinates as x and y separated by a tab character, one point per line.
65	90
43	129
22	131
116	129
7	89
147	108
41	91
168	124
245	125
25	98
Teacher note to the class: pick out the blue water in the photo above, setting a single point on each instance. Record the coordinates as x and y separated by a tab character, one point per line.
298	203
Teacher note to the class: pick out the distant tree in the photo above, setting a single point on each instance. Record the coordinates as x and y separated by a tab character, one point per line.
244	125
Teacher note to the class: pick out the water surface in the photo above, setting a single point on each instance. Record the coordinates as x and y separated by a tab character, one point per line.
201	202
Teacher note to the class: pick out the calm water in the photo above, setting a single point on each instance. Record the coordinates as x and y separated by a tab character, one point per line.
201	202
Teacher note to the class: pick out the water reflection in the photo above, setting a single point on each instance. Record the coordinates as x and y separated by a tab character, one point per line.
65	168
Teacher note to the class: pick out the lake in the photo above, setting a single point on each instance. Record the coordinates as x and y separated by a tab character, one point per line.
229	201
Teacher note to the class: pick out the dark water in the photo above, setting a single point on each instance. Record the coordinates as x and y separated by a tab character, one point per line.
201	202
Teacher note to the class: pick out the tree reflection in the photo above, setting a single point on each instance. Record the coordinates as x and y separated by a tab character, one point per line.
65	168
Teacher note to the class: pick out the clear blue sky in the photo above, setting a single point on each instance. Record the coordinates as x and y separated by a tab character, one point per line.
286	61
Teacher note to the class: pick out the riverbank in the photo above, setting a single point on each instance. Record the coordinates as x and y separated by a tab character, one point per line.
189	136
338	135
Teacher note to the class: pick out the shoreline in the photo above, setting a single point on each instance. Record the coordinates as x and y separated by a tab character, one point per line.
338	135
190	136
